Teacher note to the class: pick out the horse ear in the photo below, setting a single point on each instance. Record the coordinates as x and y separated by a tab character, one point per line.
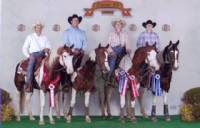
154	45
59	51
99	45
65	46
72	46
177	42
170	42
107	46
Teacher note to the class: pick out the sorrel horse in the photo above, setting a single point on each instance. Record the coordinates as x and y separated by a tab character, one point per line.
129	75
84	78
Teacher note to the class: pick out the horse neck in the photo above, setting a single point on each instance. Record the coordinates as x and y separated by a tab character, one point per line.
54	68
89	65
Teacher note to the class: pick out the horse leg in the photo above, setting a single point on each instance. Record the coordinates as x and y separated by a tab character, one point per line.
87	100
42	102
133	118
65	104
153	110
18	105
122	105
28	104
72	103
108	100
51	120
129	108
140	99
166	110
58	104
101	93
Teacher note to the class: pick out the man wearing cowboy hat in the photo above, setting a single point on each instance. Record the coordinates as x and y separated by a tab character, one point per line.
118	42
77	37
148	36
34	47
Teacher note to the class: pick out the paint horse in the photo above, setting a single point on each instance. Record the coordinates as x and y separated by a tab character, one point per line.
168	60
19	80
52	78
84	78
130	78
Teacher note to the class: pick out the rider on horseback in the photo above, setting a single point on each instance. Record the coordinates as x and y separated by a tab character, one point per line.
118	42
35	46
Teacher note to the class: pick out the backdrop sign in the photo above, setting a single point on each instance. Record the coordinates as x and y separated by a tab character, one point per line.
107	6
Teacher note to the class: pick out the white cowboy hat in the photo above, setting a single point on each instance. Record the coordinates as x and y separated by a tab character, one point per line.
38	23
123	23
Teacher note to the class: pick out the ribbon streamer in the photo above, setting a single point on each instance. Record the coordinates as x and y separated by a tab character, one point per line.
155	84
52	99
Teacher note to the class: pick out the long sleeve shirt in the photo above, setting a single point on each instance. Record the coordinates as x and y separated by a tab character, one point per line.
116	39
76	37
150	37
35	43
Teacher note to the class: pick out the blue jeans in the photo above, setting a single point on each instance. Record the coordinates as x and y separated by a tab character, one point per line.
118	50
31	64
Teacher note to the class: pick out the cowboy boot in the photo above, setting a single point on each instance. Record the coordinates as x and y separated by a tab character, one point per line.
122	119
153	114
69	115
133	118
87	116
166	113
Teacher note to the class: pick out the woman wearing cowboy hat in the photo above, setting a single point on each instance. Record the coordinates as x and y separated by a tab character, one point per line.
148	36
34	46
118	42
77	37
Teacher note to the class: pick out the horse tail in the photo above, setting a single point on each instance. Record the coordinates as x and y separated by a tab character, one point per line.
22	101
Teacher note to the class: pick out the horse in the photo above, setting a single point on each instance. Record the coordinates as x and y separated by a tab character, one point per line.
52	78
168	61
19	80
130	70
84	78
39	75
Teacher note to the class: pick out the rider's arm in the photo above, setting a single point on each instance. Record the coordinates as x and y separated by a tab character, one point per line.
25	48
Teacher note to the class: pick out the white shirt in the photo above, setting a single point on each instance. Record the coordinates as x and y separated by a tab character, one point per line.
34	43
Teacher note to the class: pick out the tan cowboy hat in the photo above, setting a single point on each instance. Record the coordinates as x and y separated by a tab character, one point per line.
38	23
123	23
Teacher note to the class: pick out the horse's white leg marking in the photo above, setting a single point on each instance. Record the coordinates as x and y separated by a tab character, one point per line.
133	103
87	99
122	101
42	102
51	120
73	98
165	97
28	104
154	100
17	106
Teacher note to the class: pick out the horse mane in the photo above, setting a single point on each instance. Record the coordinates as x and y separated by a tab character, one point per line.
52	69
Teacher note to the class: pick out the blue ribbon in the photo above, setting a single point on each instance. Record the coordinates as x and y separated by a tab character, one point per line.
122	77
155	84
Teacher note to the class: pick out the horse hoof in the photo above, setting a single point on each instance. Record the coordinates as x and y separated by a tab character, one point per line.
68	118
154	119
167	119
122	120
109	116
52	122
145	116
32	118
133	120
88	119
18	119
58	117
41	123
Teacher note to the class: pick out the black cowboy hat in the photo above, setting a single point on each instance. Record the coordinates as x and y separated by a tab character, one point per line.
144	24
74	16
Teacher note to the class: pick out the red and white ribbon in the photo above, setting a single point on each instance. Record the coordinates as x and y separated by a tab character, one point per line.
52	99
134	89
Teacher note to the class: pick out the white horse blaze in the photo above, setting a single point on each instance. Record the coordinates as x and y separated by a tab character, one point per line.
66	60
106	61
152	59
176	59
